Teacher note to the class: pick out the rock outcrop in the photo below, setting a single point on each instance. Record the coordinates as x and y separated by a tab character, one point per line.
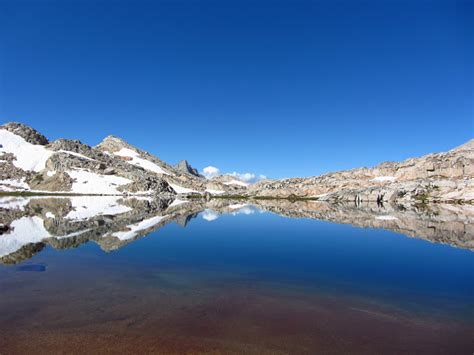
440	177
184	167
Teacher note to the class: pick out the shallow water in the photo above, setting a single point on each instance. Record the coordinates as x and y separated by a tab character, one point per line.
116	275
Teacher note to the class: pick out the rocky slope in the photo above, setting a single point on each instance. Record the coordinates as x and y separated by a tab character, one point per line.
440	177
29	162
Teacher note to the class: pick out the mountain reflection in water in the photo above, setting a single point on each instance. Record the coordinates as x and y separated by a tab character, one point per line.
28	224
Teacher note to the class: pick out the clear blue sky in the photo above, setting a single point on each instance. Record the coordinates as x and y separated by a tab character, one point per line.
281	88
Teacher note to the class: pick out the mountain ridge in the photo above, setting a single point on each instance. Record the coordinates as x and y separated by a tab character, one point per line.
31	163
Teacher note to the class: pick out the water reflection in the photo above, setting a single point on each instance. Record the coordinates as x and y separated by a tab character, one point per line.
28	224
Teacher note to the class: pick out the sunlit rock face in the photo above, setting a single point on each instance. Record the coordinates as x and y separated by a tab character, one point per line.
28	224
441	177
29	162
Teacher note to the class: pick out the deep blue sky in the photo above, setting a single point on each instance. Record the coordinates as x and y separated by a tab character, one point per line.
282	88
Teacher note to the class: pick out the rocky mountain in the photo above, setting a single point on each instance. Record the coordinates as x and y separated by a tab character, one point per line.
439	177
29	162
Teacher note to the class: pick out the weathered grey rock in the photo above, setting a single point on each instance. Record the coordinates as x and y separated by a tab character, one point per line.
27	133
184	167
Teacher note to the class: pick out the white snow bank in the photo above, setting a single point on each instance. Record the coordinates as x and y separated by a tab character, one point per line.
29	156
8	184
24	231
74	234
181	190
89	206
11	202
76	154
215	192
138	161
238	205
50	215
137	227
384	178
91	183
386	218
237	182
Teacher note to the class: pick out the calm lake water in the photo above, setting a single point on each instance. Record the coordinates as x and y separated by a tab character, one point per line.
113	275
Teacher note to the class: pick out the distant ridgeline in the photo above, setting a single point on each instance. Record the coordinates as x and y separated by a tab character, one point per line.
29	163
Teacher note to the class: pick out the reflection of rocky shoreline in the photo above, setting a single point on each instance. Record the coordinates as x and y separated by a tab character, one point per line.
440	223
28	224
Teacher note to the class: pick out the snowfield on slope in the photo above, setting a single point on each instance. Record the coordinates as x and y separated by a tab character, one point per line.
85	207
181	189
24	231
91	183
29	157
138	161
137	227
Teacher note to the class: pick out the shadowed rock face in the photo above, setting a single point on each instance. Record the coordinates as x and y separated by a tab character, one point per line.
29	224
184	167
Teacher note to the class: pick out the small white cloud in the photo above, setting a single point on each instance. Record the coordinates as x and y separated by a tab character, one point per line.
244	210
210	172
210	215
248	177
251	178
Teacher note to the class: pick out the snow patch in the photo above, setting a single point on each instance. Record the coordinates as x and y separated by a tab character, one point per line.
24	231
238	205
89	206
21	184
181	190
76	154
137	227
138	161
215	192
31	157
384	178
386	218
71	235
91	183
50	215
11	203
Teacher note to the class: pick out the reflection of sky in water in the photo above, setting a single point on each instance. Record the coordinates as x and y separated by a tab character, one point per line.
242	255
265	247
